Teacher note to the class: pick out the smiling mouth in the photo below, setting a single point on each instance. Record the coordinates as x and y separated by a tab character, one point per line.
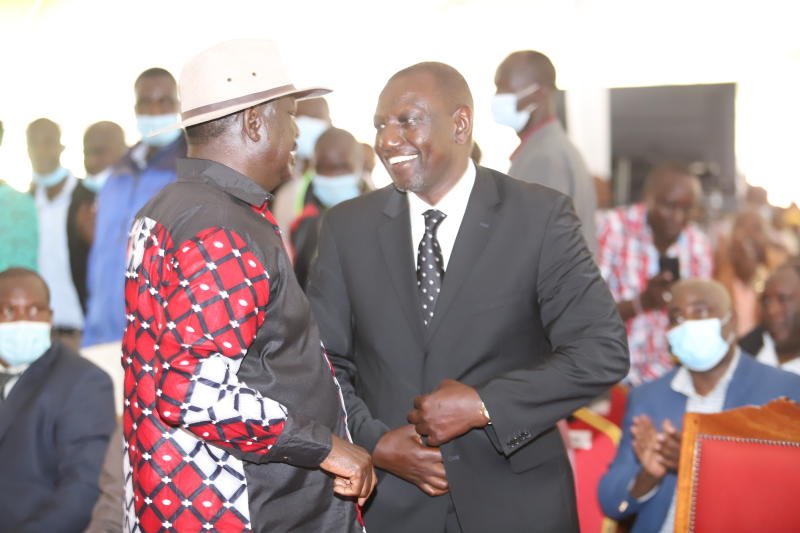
396	160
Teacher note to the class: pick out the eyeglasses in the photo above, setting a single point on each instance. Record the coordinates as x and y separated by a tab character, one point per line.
10	312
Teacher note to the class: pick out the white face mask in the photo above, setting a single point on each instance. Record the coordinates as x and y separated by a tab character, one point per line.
310	129
699	344
504	108
22	342
95	182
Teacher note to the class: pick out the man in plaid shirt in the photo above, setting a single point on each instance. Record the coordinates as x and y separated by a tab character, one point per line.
233	420
633	241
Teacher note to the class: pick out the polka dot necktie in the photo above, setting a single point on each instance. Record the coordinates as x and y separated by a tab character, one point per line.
430	266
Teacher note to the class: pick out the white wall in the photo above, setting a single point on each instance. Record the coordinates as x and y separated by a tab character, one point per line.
75	60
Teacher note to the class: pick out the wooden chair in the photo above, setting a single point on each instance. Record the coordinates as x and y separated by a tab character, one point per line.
740	471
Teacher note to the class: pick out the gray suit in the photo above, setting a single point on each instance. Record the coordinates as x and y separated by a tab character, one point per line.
549	158
523	317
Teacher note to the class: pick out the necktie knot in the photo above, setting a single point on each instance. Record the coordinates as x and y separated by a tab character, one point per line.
433	217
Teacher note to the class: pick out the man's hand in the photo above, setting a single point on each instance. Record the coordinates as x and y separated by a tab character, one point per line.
449	411
657	294
669	446
645	446
401	452
352	467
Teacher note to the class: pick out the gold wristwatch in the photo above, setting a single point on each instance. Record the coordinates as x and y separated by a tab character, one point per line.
485	412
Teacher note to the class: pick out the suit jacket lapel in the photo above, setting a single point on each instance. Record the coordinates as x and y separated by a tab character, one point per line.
395	239
471	240
24	392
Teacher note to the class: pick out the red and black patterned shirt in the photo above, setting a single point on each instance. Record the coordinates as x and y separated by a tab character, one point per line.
230	401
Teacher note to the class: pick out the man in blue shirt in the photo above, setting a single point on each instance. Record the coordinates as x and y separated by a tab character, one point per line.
142	172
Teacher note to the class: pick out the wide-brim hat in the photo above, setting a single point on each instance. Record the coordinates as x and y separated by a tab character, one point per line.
234	75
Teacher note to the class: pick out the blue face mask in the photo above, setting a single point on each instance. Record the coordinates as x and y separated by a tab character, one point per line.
504	108
23	342
699	344
95	182
148	124
51	179
310	130
331	190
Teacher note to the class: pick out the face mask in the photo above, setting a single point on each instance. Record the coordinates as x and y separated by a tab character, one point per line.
504	108
51	179
95	182
148	124
331	190
698	343
310	130
23	342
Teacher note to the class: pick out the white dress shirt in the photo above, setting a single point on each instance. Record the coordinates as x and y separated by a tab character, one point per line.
54	265
769	356
453	204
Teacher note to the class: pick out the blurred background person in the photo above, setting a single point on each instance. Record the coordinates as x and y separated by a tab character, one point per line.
525	101
103	146
776	342
19	227
56	415
52	189
643	249
143	171
312	119
715	376
336	176
743	260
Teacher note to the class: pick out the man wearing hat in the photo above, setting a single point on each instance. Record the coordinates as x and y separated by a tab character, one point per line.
233	420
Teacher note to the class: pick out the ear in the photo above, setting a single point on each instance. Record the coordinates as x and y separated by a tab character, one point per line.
462	125
252	122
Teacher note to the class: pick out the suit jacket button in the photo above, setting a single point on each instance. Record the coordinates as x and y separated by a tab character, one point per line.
623	507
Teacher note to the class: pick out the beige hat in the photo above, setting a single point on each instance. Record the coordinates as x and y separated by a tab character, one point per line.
235	75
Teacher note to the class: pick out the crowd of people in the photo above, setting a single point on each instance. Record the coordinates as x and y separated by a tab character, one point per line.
238	255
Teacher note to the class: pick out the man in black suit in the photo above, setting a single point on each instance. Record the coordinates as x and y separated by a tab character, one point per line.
503	327
56	414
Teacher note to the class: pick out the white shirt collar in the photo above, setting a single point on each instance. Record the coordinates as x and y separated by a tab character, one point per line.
682	381
453	204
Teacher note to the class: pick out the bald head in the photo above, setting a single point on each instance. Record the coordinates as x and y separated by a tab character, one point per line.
523	68
452	87
103	146
694	293
13	278
315	108
337	153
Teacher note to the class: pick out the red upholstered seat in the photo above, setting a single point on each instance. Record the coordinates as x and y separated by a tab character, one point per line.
740	471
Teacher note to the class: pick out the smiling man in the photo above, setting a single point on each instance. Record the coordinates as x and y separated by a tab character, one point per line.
464	316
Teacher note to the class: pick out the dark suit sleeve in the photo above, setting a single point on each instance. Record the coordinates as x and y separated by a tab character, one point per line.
589	346
80	439
327	292
614	488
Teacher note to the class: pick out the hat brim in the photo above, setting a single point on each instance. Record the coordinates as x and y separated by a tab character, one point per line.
223	109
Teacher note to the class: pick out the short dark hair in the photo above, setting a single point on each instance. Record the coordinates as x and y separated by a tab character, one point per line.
206	131
154	72
22	273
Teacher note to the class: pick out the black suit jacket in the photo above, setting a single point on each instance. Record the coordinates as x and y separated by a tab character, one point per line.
523	316
54	429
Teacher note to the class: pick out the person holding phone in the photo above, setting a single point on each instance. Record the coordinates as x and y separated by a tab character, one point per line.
645	248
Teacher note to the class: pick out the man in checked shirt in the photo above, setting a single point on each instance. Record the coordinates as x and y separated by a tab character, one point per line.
233	420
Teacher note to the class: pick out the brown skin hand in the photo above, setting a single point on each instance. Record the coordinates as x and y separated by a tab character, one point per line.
401	452
352	468
448	412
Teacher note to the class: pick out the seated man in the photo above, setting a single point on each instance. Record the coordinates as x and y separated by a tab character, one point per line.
776	342
56	414
715	376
